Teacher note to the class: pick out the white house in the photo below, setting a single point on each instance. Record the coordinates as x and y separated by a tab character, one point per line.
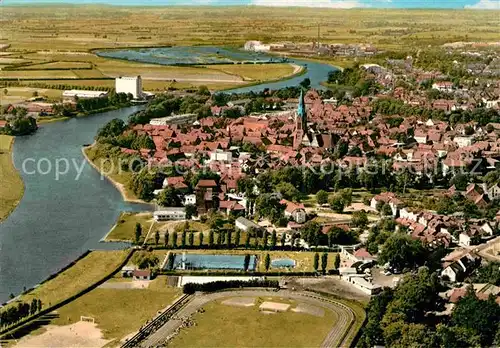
129	84
420	137
295	210
388	198
443	86
453	271
463	141
170	213
190	199
219	155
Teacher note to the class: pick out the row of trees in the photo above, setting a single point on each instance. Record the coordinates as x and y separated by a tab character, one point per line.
111	100
13	313
222	238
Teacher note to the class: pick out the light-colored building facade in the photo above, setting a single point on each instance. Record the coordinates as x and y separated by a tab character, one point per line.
129	84
170	213
77	93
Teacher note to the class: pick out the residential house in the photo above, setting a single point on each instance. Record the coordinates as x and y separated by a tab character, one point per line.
141	274
294	210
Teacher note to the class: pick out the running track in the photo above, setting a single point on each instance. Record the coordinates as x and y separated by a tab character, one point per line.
338	336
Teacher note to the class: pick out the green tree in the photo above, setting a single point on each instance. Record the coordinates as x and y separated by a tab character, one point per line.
174	240
283	239
200	239
267	262
190	211
336	203
322	197
247	241
228	239
157	237
166	238
479	316
264	240
183	238
246	263
316	261
237	237
211	239
337	261
273	240
191	239
324	261
138	232
401	252
360	219
169	197
346	195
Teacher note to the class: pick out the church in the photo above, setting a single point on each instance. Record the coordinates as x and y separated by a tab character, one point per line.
304	135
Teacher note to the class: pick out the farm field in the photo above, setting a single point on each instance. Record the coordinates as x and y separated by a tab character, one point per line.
224	325
74	31
73	27
12	188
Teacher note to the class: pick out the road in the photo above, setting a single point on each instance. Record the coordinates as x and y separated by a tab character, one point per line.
338	335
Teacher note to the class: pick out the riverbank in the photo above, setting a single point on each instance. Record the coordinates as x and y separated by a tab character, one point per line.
126	194
12	188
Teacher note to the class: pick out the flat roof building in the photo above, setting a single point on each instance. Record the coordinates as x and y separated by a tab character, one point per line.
129	84
84	94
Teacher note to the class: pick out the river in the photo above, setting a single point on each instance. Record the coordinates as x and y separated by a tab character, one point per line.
59	218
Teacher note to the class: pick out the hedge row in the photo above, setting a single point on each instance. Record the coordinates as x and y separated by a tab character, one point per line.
191	288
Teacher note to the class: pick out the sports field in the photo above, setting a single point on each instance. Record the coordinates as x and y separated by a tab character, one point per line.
12	188
230	325
117	312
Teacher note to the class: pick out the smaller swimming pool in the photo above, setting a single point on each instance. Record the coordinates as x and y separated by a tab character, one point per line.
283	263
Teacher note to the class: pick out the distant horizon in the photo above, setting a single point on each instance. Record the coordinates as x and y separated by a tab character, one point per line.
332	4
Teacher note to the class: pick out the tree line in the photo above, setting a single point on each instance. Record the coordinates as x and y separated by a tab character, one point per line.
191	288
14	314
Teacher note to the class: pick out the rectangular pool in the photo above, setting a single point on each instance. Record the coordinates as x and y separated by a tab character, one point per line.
205	261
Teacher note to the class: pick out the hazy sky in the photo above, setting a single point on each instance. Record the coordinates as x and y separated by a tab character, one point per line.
477	4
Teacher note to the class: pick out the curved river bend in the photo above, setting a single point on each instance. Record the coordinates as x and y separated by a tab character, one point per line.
60	218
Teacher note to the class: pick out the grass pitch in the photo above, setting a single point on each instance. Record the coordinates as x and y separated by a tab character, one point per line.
120	312
227	326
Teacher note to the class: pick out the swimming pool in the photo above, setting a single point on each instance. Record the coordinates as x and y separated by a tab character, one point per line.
203	261
283	263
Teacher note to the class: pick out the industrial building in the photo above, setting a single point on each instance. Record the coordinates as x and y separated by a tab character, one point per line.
77	93
127	84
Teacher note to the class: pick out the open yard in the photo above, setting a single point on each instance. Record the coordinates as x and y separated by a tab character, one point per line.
85	272
12	188
225	325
